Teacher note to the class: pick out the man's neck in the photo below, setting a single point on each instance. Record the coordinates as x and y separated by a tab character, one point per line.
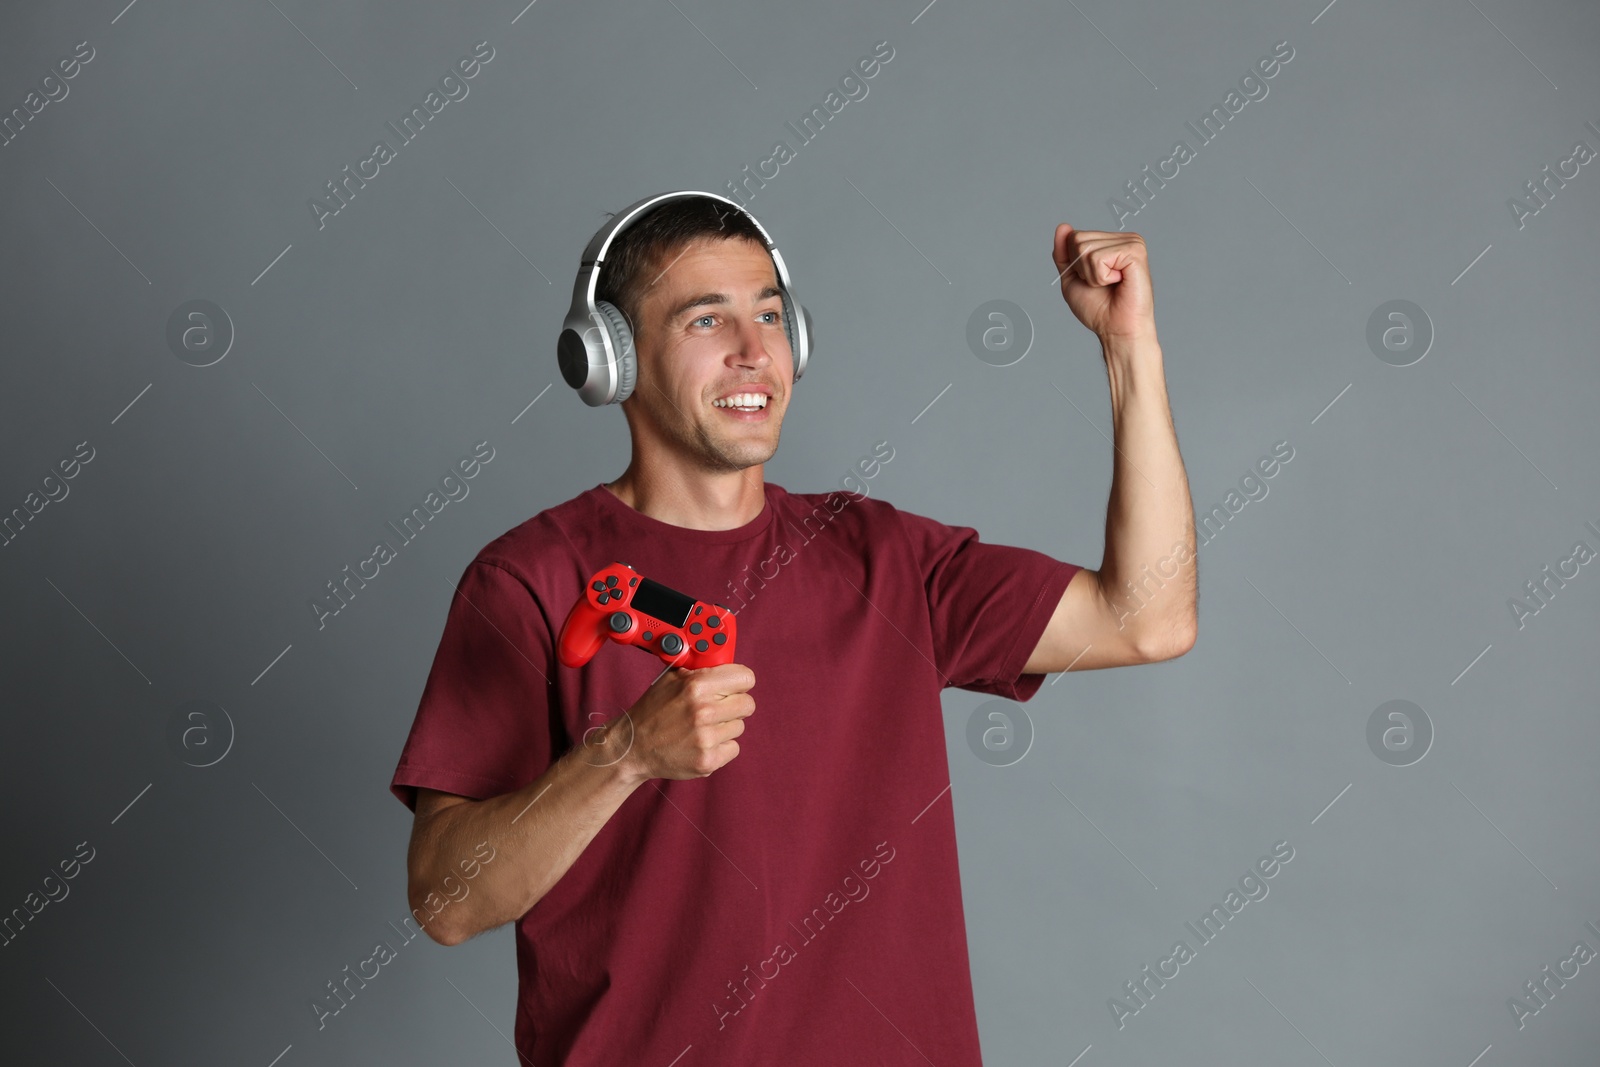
695	502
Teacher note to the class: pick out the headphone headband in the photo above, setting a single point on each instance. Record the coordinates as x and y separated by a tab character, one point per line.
596	349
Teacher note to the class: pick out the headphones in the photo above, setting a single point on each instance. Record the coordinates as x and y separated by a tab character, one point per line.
596	350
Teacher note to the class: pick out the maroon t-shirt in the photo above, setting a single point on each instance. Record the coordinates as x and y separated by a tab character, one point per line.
802	903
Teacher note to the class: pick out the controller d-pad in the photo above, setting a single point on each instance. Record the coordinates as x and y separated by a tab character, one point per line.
611	579
671	644
598	585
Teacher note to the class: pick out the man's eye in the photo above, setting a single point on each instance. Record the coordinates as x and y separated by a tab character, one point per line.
777	316
704	318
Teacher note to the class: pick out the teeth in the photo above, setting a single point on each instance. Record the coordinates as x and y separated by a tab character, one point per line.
744	401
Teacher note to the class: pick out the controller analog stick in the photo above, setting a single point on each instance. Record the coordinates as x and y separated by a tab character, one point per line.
671	644
620	622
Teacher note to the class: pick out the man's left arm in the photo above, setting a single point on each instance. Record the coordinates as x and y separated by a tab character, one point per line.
1142	604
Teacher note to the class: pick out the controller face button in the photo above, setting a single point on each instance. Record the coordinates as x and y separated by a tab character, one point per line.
713	621
721	639
620	622
671	644
695	627
700	646
646	635
611	579
598	585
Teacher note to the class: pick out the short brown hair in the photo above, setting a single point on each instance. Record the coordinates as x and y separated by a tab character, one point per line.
636	258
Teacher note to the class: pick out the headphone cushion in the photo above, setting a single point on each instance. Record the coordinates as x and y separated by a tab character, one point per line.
627	362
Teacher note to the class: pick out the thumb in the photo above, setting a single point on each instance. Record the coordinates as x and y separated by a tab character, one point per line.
1058	250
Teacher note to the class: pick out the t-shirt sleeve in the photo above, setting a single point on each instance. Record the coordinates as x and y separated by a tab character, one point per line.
485	724
988	605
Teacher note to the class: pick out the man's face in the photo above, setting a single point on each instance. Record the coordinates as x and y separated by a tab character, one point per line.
711	327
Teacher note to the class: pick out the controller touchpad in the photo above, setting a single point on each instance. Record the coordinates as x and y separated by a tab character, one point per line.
659	602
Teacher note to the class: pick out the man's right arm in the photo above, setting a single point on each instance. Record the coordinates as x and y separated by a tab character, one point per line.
683	727
537	833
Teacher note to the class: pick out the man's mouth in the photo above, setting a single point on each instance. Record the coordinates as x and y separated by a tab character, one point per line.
743	402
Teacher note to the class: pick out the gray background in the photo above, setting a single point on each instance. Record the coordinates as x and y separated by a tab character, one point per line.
423	318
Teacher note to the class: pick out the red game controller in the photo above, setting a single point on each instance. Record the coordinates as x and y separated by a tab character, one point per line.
629	608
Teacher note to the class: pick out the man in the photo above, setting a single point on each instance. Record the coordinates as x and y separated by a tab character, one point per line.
695	883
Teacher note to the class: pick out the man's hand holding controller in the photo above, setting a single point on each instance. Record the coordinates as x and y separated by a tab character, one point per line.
685	724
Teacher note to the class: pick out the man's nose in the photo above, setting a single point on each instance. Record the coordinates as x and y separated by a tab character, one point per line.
754	341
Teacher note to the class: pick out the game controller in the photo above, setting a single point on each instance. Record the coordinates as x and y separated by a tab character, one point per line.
630	609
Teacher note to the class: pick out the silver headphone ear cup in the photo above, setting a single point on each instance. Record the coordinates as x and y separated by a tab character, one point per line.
627	362
799	328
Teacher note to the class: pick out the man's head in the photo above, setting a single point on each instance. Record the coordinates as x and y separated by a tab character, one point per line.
699	290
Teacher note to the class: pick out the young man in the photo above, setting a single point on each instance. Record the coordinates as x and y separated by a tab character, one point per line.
696	883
